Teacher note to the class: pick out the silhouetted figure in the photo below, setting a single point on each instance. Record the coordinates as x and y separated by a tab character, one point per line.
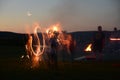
115	33
28	58
64	42
114	40
115	29
98	43
47	52
72	45
28	46
53	52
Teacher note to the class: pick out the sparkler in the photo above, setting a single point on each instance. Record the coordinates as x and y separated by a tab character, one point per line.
35	51
38	51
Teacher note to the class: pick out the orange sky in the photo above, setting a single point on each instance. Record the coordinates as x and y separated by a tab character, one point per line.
77	15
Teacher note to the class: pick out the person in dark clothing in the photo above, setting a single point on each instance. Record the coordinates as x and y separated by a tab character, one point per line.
115	33
53	53
72	45
98	43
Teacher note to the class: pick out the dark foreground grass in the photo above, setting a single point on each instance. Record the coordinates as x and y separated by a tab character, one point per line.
12	68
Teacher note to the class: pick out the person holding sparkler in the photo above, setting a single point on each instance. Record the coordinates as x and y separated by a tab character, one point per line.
54	45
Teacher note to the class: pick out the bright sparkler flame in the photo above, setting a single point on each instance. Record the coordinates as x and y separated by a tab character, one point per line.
88	49
62	38
35	61
50	31
47	31
55	28
35	53
38	50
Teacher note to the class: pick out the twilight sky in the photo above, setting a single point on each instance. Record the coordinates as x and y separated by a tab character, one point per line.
73	15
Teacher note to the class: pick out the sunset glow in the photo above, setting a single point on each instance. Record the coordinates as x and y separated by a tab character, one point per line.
77	15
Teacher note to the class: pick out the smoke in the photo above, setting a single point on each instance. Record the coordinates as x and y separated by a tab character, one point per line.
66	12
82	14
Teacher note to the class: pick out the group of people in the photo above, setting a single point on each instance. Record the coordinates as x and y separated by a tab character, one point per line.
98	43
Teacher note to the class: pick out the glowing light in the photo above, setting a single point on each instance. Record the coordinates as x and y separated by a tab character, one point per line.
88	49
35	62
36	58
28	56
38	50
47	31
22	56
35	51
115	39
55	28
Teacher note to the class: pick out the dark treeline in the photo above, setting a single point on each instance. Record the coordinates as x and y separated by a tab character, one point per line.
10	38
14	39
18	41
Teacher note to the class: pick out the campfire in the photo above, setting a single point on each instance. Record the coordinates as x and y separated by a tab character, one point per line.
88	48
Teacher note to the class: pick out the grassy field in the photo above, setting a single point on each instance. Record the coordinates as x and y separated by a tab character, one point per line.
12	68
